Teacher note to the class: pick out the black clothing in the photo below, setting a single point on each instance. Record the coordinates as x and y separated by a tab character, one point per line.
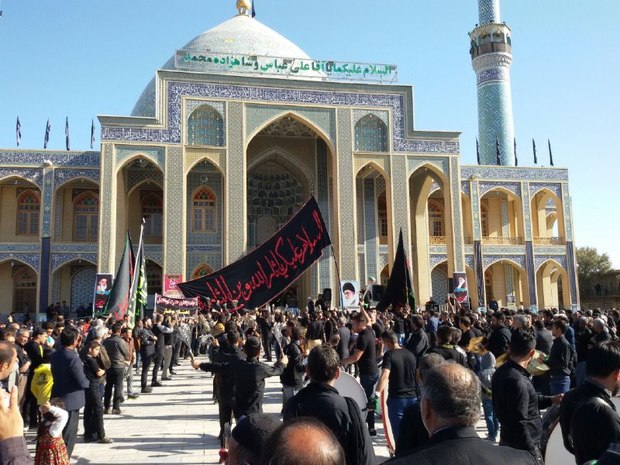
462	446
114	380
561	359
544	340
466	337
589	421
93	409
418	343
293	374
316	330
412	433
402	365
499	340
449	353
398	325
249	382
517	407
368	361
339	414
582	340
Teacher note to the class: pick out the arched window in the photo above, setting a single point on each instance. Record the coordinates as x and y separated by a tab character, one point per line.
86	217
371	134
203	210
28	209
153	277
202	270
435	219
382	215
152	212
205	127
25	294
484	220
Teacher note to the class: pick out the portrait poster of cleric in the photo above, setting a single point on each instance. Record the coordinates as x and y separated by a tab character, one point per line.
349	294
460	288
103	286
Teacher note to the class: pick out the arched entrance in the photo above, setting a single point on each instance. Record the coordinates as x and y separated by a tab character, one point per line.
74	283
24	280
506	282
82	285
439	280
287	161
431	225
501	218
548	219
552	285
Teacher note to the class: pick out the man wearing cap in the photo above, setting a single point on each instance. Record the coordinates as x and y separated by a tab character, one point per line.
249	437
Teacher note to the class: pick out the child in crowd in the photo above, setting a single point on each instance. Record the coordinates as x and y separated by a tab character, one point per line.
51	449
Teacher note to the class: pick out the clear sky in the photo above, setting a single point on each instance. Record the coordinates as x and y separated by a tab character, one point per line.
81	59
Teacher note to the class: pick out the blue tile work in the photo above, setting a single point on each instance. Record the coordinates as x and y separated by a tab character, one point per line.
47	207
556	188
436	259
63	176
439	283
60	259
58	159
205	247
154	154
512	173
489	260
488	11
324	200
257	115
496	74
359	196
370	228
31	259
136	176
178	90
465	188
33	175
495	122
539	260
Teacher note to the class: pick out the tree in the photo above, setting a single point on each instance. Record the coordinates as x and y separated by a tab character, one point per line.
591	265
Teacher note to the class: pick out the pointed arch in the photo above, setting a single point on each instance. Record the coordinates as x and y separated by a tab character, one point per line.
205	126
371	134
86	217
375	166
306	122
28	213
139	156
202	270
204	210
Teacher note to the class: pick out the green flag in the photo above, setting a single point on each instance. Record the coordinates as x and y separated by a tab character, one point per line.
139	286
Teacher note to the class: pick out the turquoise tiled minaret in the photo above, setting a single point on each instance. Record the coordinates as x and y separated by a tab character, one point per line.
491	53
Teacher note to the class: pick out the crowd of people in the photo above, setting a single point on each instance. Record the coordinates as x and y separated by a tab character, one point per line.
439	370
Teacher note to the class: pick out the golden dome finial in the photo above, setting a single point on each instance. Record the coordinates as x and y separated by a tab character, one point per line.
244	7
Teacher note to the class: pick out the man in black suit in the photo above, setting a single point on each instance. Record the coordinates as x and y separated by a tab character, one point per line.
69	383
450	410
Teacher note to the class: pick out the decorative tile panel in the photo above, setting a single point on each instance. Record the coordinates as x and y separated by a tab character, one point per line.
178	90
526	202
31	259
399	181
154	154
107	204
58	159
511	173
442	164
155	253
539	260
513	187
469	261
236	192
33	175
457	216
47	196
437	259
346	182
489	260
370	228
465	189
174	212
324	200
63	176
60	259
556	188
257	115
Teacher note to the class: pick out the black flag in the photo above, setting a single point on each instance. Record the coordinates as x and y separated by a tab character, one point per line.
67	143
118	300
478	151
516	159
92	133
18	131
550	153
497	152
253	9
534	148
48	128
399	290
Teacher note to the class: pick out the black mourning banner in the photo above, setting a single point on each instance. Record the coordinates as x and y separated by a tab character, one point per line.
269	269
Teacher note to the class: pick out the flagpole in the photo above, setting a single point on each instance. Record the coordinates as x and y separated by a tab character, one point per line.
134	280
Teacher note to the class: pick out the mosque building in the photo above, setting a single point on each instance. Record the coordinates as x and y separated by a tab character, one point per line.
233	135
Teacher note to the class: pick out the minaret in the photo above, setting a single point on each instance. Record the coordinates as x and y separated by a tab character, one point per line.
491	54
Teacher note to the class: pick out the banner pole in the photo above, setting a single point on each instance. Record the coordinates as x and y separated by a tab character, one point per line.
337	271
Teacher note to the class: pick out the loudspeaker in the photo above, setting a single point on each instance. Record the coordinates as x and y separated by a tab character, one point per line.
376	292
327	294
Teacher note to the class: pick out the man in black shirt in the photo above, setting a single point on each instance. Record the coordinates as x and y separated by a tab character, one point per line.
160	331
500	336
516	403
588	417
399	368
365	355
321	400
561	359
418	343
